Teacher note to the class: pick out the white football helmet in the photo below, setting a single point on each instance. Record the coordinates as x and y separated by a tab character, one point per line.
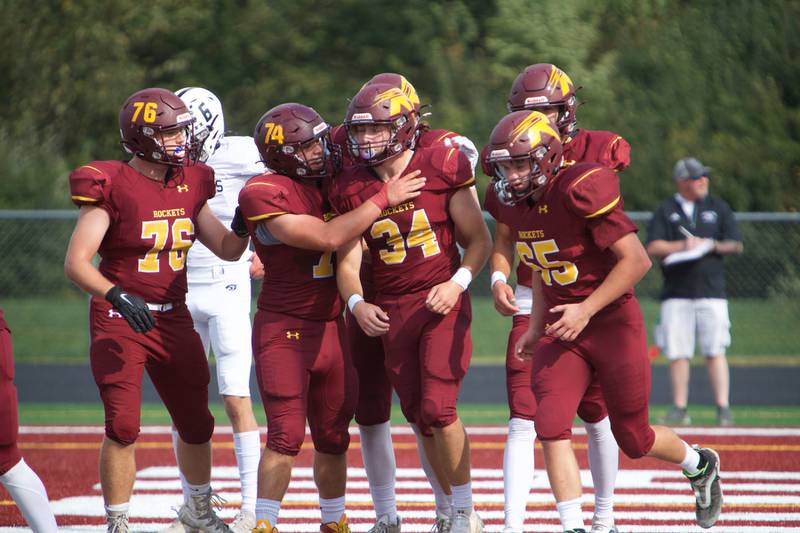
209	125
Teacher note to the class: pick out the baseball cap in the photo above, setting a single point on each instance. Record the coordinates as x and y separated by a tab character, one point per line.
689	167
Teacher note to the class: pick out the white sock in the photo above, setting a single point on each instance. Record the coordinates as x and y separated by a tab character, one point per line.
184	484
690	460
462	497
247	448
28	492
196	490
604	464
569	512
518	468
331	509
118	508
379	463
444	501
268	510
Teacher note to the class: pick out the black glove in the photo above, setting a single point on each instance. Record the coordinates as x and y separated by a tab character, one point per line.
132	308
237	224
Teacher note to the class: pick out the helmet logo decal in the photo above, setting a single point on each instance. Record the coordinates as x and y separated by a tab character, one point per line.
274	133
534	125
558	78
397	99
149	114
409	91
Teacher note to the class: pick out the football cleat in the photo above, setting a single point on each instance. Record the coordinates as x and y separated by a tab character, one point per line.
443	523
264	525
466	522
677	416
178	527
243	522
333	527
117	522
384	525
201	516
724	416
707	489
602	528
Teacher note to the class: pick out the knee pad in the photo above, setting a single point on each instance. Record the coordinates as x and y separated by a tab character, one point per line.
434	414
592	412
333	442
635	442
123	429
200	431
9	417
284	444
551	426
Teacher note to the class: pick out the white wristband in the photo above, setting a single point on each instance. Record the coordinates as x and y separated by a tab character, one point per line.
498	276
462	277
353	301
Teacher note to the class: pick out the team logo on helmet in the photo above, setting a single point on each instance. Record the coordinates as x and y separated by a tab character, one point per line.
534	125
559	79
397	100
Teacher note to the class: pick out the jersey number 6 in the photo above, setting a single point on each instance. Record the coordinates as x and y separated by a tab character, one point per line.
182	232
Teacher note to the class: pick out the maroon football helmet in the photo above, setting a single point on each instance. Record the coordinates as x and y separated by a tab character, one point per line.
399	81
544	85
285	131
381	104
146	116
523	135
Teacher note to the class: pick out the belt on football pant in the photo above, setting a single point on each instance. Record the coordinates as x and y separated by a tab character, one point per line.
160	307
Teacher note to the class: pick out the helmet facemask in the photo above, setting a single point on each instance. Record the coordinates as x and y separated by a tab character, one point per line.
513	190
375	153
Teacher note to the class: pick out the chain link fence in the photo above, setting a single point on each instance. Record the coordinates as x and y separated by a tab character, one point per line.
763	283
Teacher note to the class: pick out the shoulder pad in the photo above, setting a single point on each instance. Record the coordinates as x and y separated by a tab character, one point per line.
90	184
265	196
453	168
592	190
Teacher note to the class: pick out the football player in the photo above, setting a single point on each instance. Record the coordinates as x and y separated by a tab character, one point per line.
419	278
21	482
142	216
303	369
546	88
572	230
373	409
219	293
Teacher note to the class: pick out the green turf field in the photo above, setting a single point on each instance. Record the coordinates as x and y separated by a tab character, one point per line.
763	331
471	414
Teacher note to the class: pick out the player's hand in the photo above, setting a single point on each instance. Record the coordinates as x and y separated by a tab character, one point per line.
526	344
372	319
443	297
504	301
132	308
237	224
404	188
256	267
573	319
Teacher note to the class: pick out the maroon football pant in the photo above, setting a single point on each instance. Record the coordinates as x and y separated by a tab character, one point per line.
613	346
304	372
173	355
374	390
427	356
519	383
9	421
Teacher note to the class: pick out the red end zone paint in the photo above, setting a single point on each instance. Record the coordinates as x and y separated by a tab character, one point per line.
761	482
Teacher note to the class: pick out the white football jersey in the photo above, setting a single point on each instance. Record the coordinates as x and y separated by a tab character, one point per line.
235	161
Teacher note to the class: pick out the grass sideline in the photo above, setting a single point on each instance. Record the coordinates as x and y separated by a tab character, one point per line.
471	414
763	331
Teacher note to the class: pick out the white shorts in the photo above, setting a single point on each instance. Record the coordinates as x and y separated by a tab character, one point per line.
682	318
220	308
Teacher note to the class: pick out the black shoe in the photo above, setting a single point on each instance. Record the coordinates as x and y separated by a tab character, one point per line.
677	416
724	416
707	489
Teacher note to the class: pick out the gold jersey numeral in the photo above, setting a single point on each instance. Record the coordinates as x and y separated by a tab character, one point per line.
158	230
562	272
420	236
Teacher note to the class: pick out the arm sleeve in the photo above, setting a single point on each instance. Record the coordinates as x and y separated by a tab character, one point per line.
595	196
261	200
728	227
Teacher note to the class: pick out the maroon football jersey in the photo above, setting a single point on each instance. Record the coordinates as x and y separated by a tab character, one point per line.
565	235
153	224
412	245
297	282
3	323
598	146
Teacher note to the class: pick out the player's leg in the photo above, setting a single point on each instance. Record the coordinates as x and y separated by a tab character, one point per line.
436	475
445	349
518	460
678	329
560	380
230	336
603	456
625	381
284	349
21	482
373	412
714	334
332	401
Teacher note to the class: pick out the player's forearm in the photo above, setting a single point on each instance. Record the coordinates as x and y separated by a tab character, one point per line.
232	247
728	247
348	281
345	228
86	276
628	271
502	257
477	250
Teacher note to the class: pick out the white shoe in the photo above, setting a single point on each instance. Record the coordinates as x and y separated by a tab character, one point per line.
178	527
384	525
600	527
443	523
464	522
243	522
117	522
201	515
